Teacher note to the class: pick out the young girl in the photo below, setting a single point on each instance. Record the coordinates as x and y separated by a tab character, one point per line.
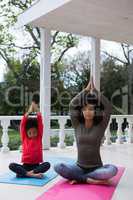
90	113
31	130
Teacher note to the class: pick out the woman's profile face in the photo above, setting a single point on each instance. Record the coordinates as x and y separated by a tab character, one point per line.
89	111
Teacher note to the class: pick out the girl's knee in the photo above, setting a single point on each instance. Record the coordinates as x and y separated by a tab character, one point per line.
47	165
12	165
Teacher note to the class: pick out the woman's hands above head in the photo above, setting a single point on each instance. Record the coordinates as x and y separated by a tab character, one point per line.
92	83
90	87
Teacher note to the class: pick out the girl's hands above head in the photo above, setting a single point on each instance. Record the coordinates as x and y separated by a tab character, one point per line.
31	109
35	107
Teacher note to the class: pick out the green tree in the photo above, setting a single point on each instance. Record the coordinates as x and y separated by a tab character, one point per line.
21	59
128	63
77	70
19	85
113	77
10	9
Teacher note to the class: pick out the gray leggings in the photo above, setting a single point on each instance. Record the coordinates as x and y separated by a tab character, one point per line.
74	172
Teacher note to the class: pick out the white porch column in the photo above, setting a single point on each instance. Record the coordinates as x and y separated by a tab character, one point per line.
45	84
95	64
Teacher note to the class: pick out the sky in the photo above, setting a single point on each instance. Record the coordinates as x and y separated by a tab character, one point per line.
113	48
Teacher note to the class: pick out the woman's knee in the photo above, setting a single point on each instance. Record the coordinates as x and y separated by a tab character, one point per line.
59	167
64	171
114	170
105	172
111	169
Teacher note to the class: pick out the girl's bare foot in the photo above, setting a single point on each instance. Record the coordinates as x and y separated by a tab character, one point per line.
98	182
39	175
33	175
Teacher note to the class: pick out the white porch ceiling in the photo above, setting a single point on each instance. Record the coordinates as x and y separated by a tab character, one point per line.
104	19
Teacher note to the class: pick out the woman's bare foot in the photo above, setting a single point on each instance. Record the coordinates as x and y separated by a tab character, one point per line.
33	175
98	182
73	182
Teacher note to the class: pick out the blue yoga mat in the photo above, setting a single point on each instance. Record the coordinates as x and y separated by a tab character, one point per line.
10	177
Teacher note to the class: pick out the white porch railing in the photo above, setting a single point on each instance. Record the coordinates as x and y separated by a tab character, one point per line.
62	120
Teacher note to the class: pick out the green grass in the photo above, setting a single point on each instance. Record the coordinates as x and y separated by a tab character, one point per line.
69	139
14	139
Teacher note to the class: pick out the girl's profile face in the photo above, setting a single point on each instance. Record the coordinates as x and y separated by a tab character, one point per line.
89	111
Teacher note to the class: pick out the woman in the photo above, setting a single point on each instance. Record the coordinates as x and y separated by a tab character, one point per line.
90	113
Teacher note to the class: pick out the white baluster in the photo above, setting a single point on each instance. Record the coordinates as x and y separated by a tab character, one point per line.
119	131
74	143
5	138
62	122
130	131
20	148
107	135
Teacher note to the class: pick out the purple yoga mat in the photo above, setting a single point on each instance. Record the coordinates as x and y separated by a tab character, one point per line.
65	191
